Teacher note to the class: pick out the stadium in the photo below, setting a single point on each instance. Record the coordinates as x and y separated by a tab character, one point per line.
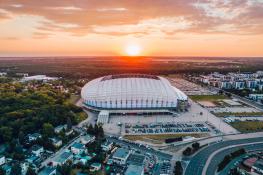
132	94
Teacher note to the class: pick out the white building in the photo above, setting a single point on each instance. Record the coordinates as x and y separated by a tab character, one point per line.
38	78
62	158
239	84
33	137
60	128
77	148
256	97
131	92
2	160
87	139
120	156
56	142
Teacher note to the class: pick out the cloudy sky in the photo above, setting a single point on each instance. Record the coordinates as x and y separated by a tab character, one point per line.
108	27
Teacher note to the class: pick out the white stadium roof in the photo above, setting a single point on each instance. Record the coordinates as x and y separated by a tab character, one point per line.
131	91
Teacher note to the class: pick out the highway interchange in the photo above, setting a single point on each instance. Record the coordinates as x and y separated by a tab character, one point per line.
198	162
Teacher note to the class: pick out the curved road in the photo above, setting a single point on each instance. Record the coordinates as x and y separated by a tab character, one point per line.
198	161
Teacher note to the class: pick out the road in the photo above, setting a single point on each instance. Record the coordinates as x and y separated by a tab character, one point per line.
142	148
198	161
219	156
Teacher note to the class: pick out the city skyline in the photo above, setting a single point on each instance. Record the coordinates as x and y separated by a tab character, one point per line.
121	28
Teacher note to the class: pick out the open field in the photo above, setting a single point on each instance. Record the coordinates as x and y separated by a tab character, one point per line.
223	114
160	138
207	97
248	126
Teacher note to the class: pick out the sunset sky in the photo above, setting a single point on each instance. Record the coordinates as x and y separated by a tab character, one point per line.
115	27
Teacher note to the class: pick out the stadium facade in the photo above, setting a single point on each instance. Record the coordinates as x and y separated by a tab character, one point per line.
132	93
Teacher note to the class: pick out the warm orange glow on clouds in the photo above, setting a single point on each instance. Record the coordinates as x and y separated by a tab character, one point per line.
109	27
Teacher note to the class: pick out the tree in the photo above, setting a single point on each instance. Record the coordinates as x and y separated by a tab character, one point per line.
64	169
196	146
6	134
48	130
16	169
187	151
30	171
178	168
69	124
2	172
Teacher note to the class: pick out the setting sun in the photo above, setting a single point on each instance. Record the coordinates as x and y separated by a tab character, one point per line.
133	50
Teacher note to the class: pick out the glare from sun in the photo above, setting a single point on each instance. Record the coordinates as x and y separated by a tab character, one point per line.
133	50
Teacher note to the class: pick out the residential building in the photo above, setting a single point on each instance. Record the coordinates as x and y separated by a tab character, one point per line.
225	85
48	171
62	158
239	85
2	160
256	97
134	170
107	146
56	142
251	84
258	167
7	169
37	150
33	137
87	139
60	128
95	167
77	148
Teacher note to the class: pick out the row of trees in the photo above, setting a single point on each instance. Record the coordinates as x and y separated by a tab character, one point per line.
230	157
191	150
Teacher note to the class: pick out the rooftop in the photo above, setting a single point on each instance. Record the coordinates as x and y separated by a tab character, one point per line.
111	77
47	171
63	157
134	170
78	145
121	153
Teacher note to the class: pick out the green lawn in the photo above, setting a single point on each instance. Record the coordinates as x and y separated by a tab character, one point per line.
160	138
248	126
207	97
223	114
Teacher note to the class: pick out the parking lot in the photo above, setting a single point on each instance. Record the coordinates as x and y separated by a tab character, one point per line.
189	88
164	128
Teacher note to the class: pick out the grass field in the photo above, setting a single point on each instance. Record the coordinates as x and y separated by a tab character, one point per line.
74	98
248	126
160	138
223	114
207	97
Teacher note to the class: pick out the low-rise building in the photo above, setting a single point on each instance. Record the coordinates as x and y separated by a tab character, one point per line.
82	159
60	128
77	148
33	137
225	85
120	156
258	167
37	150
48	171
2	160
134	170
7	169
239	85
87	139
62	158
256	97
107	146
95	167
56	142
